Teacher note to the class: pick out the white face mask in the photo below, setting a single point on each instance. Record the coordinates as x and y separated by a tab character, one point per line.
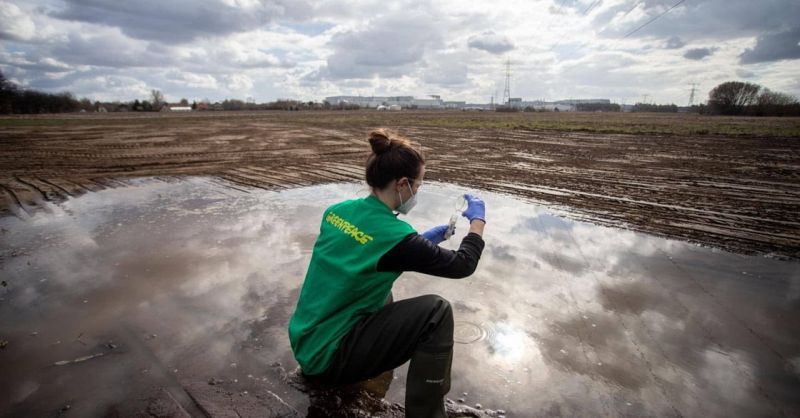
409	204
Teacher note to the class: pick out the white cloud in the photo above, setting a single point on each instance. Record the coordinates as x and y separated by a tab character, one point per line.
240	83
15	24
240	48
200	81
112	87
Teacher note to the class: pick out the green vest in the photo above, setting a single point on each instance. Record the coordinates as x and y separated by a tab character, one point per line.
342	283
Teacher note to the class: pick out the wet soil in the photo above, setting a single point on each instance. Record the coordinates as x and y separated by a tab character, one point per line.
740	192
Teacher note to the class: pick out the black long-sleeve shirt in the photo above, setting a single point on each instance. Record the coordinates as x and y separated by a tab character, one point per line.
417	253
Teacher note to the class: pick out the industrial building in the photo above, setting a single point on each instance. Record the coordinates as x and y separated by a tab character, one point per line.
405	102
436	102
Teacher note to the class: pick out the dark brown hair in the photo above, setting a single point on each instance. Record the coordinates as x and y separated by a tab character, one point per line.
392	157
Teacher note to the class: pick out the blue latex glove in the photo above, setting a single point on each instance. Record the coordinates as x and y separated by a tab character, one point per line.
435	234
476	209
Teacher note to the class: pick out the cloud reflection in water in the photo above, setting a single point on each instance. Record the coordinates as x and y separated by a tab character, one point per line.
573	318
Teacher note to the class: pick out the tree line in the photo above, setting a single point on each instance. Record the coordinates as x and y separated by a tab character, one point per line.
741	98
17	100
729	98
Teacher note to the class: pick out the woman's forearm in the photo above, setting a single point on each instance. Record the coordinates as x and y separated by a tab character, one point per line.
476	226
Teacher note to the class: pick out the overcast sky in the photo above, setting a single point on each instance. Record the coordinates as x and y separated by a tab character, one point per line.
263	50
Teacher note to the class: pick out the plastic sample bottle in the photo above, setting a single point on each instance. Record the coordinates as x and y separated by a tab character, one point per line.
460	206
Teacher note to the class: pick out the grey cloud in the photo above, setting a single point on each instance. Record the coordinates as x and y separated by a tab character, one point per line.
13	73
314	77
179	21
745	74
709	19
109	51
774	47
616	11
699	53
122	83
674	43
112	49
389	47
447	79
583	6
221	60
33	62
37	80
490	42
446	70
260	59
608	72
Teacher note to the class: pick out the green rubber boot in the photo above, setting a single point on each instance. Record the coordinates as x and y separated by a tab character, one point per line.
427	382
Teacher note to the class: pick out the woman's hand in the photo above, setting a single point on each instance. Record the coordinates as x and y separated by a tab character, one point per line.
435	234
476	209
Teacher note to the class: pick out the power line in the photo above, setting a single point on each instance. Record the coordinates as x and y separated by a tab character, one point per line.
558	11
654	19
561	6
623	15
590	7
565	34
632	8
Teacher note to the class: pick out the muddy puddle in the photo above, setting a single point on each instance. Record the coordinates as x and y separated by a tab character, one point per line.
165	298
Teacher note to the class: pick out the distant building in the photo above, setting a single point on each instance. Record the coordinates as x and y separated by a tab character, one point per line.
555	107
477	106
168	108
436	102
427	103
542	106
374	101
583	101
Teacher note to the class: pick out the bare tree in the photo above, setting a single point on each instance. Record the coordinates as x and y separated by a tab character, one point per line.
8	92
773	103
731	98
157	99
774	98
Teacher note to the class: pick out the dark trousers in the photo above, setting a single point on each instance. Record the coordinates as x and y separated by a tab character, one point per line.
389	337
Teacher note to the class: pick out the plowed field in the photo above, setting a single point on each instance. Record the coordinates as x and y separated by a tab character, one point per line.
732	183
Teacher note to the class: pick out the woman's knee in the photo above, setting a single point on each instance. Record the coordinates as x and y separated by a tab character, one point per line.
440	320
438	305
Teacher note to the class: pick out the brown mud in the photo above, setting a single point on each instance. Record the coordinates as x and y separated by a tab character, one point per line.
739	192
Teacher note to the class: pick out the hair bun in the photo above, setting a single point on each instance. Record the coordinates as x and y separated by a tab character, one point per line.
379	141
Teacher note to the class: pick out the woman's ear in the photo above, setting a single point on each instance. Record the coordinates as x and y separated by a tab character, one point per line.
399	184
